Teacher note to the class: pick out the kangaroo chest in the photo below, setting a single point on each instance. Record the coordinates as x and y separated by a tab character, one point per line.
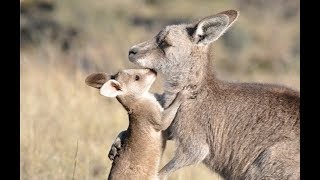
189	122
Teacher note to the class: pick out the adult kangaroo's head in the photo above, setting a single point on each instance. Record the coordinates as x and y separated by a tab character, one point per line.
179	52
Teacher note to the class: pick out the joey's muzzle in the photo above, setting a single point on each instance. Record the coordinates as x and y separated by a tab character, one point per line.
153	72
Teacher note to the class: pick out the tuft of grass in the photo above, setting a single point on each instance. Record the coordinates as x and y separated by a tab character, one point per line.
75	161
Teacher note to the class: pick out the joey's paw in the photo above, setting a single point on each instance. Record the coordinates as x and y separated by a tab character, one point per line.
114	151
185	93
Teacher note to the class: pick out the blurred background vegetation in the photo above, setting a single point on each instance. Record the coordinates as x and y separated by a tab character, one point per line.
67	127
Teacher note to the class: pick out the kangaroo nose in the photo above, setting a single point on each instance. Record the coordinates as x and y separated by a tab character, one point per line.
133	51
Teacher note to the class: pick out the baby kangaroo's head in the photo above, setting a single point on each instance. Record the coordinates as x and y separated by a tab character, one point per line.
129	82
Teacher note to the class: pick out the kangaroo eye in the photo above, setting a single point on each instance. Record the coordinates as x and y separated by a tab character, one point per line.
137	78
163	44
201	37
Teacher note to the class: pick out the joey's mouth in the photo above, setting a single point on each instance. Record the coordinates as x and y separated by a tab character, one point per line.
153	71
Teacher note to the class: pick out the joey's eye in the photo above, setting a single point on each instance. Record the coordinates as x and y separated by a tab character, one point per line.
163	44
137	78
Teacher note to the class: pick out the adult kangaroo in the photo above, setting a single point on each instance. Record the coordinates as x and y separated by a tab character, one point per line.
239	130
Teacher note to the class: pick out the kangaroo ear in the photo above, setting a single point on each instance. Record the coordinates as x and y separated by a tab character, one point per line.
96	80
209	29
112	88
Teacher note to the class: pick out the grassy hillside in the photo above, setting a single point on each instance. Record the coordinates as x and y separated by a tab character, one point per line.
64	122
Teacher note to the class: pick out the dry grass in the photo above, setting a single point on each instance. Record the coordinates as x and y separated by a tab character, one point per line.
63	120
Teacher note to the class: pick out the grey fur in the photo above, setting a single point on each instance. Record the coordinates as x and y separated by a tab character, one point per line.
239	130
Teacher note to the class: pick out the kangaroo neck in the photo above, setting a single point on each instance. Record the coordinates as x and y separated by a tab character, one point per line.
195	80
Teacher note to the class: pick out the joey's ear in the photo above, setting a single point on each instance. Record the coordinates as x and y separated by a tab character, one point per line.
209	29
112	88
96	80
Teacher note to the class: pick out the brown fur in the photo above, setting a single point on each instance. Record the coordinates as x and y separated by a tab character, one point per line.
142	148
143	143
